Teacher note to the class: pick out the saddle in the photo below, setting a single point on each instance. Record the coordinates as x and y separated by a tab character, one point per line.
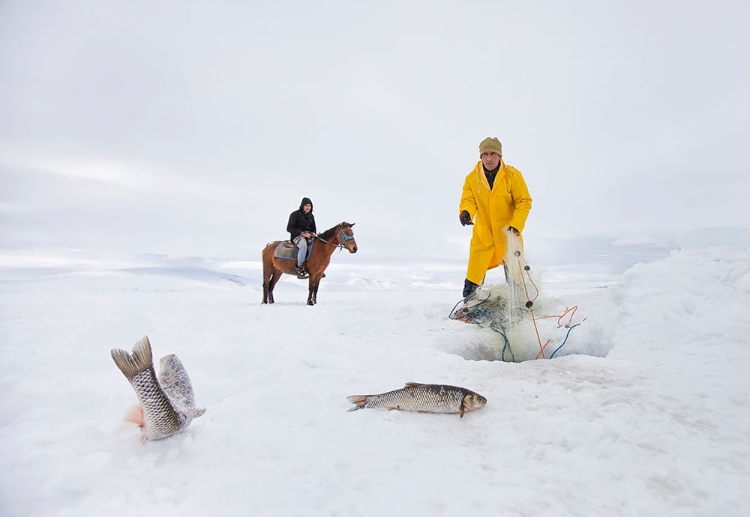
288	250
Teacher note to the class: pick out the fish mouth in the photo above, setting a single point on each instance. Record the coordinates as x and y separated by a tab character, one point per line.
165	359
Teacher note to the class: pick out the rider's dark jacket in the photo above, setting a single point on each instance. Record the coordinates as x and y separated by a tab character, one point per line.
299	221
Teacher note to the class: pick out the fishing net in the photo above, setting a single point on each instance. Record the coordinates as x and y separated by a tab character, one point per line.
515	312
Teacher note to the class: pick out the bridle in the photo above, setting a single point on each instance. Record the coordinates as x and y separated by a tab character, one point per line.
342	237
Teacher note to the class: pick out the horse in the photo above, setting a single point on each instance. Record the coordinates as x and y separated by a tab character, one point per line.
340	236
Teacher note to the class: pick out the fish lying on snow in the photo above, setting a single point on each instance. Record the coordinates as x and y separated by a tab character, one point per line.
165	408
426	398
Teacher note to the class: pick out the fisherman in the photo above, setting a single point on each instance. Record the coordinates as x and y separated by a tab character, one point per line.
496	197
301	228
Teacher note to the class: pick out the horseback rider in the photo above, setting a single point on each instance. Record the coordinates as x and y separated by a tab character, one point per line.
301	228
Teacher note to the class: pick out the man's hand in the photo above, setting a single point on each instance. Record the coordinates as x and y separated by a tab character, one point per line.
307	235
465	218
513	230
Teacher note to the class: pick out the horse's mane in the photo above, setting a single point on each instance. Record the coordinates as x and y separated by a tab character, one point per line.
328	234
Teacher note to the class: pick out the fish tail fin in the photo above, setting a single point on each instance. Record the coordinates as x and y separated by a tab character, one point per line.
359	401
135	415
131	364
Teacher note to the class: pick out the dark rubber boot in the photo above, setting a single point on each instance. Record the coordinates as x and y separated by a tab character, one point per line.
469	288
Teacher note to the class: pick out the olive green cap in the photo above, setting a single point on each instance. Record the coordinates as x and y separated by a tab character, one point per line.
491	145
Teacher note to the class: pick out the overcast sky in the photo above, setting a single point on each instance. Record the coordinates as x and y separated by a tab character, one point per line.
195	128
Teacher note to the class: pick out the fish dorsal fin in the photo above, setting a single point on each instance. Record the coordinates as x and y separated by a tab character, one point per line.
412	384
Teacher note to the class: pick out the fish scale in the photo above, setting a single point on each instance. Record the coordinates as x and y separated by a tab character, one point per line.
419	398
429	398
160	418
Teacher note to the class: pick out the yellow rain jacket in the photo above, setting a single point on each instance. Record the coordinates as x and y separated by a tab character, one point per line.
507	204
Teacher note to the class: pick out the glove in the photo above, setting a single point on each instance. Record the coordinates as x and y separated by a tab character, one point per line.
465	218
513	230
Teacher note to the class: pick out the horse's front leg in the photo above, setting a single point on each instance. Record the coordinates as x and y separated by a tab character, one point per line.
311	291
312	296
315	291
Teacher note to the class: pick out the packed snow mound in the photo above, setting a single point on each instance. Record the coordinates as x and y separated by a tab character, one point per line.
677	301
669	307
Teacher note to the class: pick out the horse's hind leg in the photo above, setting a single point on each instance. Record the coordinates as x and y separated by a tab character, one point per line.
267	274
268	269
268	283
272	283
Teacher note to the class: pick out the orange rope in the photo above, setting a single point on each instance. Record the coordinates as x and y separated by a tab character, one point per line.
541	352
525	288
530	302
538	337
571	310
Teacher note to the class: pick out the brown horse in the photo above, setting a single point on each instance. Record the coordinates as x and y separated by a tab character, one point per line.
340	236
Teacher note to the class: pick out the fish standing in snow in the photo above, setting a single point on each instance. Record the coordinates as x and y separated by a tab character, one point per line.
426	398
164	409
